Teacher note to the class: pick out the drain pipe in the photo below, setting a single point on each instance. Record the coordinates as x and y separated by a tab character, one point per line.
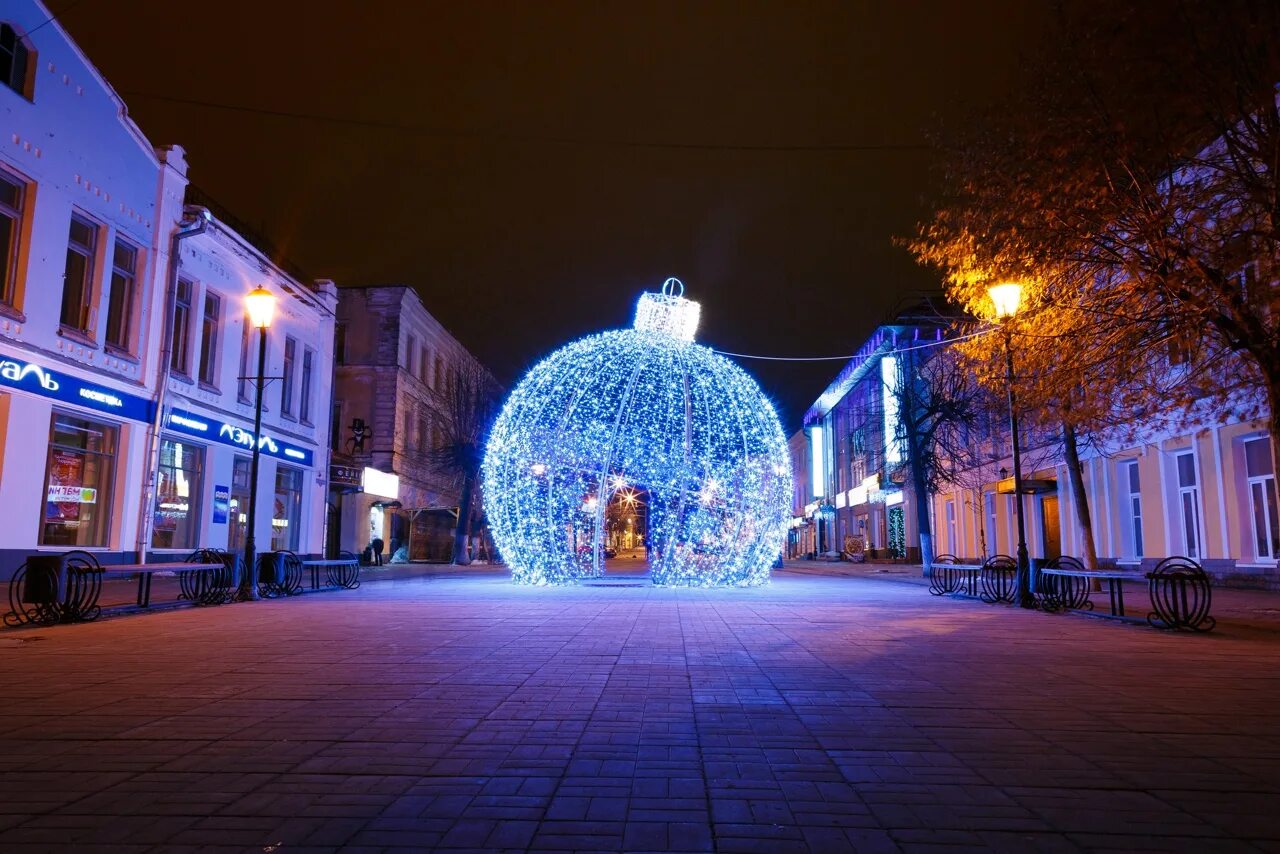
195	220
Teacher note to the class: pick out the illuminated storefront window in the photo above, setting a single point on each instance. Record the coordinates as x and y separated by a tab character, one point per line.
178	486
78	477
287	509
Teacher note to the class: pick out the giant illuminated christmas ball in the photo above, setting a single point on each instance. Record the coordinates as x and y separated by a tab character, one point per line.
643	410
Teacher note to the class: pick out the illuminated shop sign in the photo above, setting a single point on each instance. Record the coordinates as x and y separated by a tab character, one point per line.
181	421
20	374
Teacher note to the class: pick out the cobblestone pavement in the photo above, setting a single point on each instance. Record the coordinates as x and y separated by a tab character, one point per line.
817	714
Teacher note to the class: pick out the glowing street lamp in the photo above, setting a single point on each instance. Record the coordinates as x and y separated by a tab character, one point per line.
1006	298
260	304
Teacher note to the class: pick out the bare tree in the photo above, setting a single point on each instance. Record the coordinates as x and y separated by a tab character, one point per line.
461	408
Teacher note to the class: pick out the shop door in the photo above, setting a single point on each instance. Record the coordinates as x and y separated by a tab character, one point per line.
1050	527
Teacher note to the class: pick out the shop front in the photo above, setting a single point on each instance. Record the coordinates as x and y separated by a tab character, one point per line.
71	450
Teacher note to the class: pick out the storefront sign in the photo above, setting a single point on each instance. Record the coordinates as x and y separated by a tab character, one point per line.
182	421
27	376
344	476
221	504
380	483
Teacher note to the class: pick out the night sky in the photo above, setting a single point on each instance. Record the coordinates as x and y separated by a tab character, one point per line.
531	167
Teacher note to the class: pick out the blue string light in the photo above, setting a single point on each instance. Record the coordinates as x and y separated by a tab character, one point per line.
640	409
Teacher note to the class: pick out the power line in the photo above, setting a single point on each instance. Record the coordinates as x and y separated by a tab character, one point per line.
515	137
941	343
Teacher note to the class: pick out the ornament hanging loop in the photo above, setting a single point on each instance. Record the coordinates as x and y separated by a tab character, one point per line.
670	285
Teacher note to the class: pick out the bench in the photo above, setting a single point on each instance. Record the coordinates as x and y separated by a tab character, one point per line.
1178	587
339	572
993	580
65	588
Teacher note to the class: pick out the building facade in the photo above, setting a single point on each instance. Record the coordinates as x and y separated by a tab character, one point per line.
393	356
120	331
860	496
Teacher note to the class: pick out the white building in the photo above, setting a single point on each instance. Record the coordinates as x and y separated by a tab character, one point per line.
89	211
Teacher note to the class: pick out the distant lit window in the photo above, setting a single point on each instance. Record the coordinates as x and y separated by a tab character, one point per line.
16	61
124	286
12	194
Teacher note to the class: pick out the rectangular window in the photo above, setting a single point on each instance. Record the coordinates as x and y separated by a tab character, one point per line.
308	369
287	510
992	537
178	485
238	510
124	284
951	528
286	380
77	280
243	383
12	194
209	338
1134	506
180	358
1188	503
78	482
1260	471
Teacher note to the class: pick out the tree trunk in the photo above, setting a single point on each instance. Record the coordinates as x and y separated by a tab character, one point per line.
1078	496
462	534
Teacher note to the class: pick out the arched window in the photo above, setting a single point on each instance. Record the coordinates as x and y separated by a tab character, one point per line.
16	61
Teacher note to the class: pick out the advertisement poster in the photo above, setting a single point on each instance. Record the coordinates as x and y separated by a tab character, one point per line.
65	490
221	504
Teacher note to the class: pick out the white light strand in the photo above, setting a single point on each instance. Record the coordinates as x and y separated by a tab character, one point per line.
635	410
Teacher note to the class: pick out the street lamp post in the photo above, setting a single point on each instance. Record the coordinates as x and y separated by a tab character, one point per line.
260	304
1007	299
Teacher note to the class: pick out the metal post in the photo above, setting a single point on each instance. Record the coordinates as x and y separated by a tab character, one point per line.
249	582
1023	578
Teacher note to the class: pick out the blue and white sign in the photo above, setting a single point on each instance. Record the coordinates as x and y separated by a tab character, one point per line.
221	504
182	421
23	375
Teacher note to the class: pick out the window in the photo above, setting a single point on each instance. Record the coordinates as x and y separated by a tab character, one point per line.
1134	509
1260	471
180	358
1188	503
77	280
209	338
304	402
178	485
287	509
78	482
238	506
124	283
246	344
286	381
992	536
953	547
15	61
411	356
12	193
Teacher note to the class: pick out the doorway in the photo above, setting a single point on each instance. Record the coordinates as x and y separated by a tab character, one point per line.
1050	527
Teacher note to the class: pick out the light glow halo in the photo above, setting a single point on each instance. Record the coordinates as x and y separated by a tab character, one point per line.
639	409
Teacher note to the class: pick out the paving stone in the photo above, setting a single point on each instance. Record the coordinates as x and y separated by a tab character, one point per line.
463	713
